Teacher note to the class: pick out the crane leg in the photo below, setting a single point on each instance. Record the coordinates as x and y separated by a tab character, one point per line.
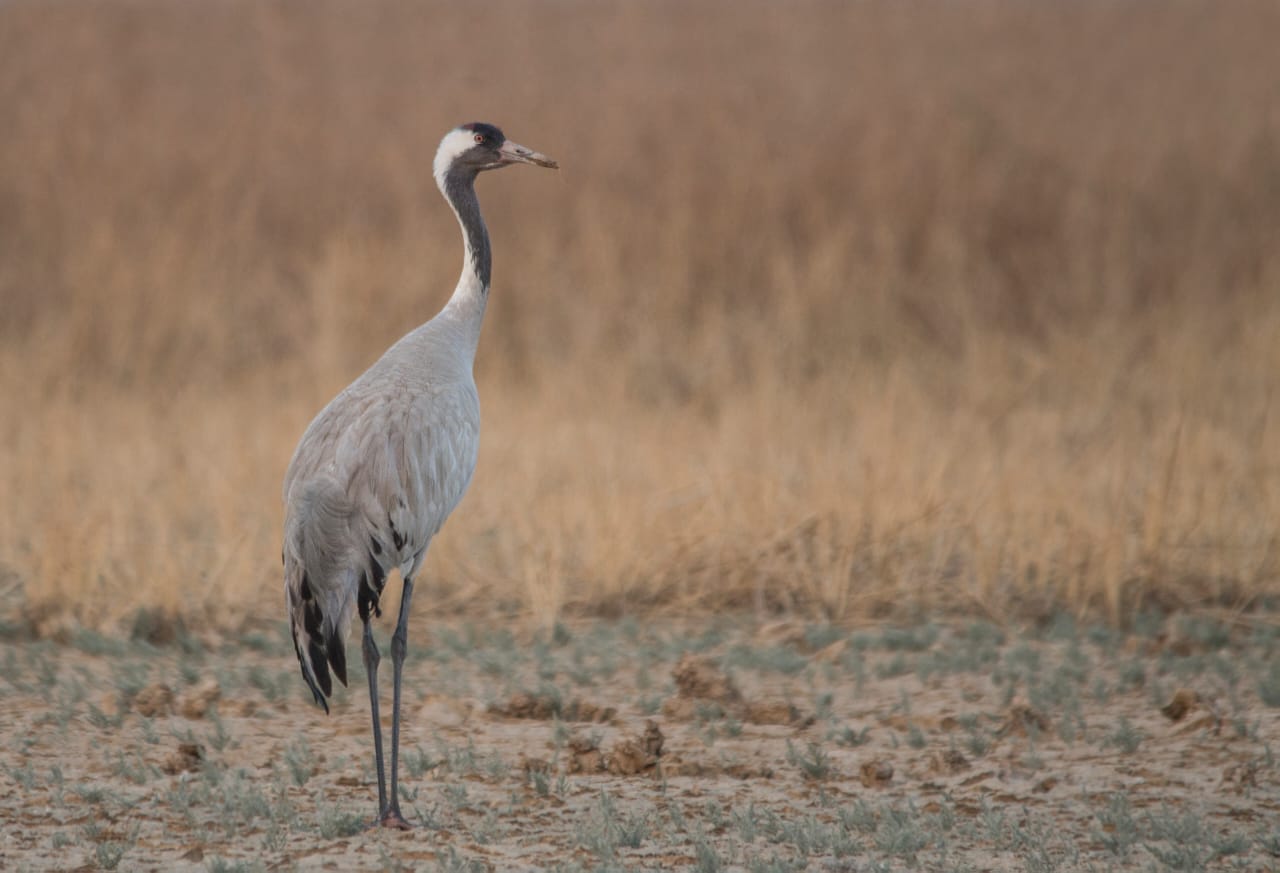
391	817
371	658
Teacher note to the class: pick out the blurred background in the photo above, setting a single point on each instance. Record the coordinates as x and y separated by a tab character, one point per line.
845	310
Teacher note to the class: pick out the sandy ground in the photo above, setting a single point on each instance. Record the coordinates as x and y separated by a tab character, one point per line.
630	746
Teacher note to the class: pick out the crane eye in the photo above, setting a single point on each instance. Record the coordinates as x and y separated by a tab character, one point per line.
479	137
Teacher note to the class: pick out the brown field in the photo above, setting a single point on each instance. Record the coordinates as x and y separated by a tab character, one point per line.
838	315
844	310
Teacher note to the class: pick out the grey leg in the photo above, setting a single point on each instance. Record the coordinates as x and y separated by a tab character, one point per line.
371	658
399	645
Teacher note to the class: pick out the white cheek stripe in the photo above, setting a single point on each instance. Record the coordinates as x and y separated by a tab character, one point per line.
455	142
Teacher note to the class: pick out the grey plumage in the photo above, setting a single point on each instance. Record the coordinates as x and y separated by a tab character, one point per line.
383	465
372	481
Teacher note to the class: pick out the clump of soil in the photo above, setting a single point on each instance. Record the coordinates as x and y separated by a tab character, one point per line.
544	707
637	754
876	773
1184	700
950	761
188	758
154	701
630	756
700	681
1022	719
196	703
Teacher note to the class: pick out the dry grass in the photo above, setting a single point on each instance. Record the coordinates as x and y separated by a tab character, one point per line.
848	309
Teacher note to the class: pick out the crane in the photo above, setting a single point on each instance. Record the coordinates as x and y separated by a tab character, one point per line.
380	468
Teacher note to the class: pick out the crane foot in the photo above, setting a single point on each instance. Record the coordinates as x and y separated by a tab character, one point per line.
391	819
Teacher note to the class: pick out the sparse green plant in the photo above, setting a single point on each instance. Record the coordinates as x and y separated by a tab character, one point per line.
134	769
605	830
1178	840
489	828
1118	831
813	762
100	719
1133	674
809	835
896	666
218	864
909	639
776	864
300	761
25	775
1100	690
1269	684
978	743
91	642
706	858
275	687
218	738
1269	842
744	821
335	822
852	738
450	861
149	733
994	824
109	851
766	659
455	794
275	837
900	832
1125	736
417	762
91	793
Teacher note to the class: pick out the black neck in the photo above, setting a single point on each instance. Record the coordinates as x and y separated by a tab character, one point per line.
460	191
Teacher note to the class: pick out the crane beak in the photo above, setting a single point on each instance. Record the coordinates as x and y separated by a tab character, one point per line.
514	153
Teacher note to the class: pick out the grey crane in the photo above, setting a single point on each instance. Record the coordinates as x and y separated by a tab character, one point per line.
378	471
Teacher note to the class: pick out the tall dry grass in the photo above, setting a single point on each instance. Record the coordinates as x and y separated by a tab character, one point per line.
846	309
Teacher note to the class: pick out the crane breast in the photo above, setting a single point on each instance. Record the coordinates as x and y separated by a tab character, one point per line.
410	463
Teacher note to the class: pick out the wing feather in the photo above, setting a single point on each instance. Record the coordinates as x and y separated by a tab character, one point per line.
372	481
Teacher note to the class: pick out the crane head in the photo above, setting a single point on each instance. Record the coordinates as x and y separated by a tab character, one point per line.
479	146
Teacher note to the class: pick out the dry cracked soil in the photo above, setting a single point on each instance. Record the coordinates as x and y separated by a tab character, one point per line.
629	745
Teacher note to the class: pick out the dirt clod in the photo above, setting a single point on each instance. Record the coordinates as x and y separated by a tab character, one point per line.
525	705
1184	700
1022	719
701	679
950	761
775	713
544	707
534	765
154	701
585	755
1241	776
876	774
701	684
187	758
195	703
637	754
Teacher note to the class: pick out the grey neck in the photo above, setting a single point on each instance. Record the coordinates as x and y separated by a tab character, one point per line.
460	190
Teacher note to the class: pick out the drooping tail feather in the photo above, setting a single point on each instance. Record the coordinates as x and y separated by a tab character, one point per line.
318	590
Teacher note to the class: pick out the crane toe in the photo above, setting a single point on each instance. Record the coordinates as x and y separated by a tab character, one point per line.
391	819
